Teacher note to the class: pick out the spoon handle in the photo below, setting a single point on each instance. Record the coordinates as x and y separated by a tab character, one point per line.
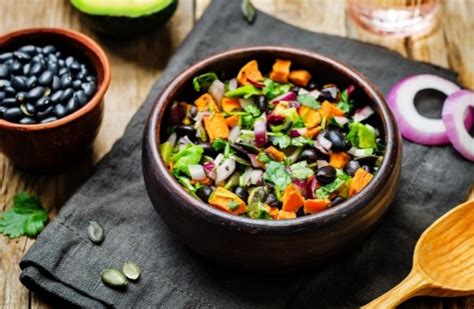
410	286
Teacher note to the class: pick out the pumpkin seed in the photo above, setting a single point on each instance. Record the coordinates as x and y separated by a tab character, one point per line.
95	232
249	11
131	270
113	278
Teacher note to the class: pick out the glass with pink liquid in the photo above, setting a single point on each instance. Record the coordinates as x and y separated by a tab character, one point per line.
395	17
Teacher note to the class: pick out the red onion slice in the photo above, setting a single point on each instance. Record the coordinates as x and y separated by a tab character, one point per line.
414	126
289	96
260	129
457	107
197	172
217	90
362	113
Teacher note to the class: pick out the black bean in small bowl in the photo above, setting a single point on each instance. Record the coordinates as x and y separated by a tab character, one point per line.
52	84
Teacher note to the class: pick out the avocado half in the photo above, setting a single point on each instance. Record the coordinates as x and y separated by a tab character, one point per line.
125	17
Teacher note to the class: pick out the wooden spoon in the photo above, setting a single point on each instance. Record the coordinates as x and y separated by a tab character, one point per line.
443	262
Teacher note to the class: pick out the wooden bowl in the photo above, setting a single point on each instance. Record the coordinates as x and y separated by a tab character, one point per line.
267	244
54	145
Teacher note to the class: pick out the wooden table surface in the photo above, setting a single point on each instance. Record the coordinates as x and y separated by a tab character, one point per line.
136	63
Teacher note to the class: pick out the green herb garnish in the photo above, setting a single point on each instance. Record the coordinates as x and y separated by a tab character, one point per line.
27	217
309	101
325	191
273	89
245	91
300	170
204	81
277	174
282	141
345	104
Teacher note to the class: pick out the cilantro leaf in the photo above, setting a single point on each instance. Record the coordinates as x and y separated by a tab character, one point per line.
233	205
325	191
219	144
27	217
252	110
273	89
204	81
257	211
277	174
300	170
247	121
309	101
345	104
301	141
190	154
361	136
282	141
245	91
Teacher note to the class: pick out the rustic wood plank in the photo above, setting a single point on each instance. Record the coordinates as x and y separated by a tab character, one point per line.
136	63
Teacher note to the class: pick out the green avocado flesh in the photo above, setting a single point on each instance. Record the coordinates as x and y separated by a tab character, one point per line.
122	8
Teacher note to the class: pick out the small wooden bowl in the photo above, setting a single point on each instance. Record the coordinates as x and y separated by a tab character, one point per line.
266	244
53	146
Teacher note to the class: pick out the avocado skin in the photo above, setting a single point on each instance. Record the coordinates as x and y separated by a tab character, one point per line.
126	26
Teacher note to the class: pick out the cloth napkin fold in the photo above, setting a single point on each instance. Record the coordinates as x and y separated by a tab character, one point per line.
64	264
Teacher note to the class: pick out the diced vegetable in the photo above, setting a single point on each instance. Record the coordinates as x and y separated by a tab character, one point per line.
230	104
280	71
249	74
361	136
359	181
232	121
190	154
292	199
299	77
285	215
330	110
206	103
216	127
204	81
316	205
339	159
216	90
227	201
275	154
311	117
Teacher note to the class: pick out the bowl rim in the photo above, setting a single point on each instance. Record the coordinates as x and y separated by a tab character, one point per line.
86	43
211	214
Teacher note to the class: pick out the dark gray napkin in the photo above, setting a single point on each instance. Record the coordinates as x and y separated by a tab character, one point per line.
63	263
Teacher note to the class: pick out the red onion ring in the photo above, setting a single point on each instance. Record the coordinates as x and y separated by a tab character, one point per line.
456	108
414	126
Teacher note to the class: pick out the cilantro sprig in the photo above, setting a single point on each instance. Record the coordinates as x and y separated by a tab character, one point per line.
27	217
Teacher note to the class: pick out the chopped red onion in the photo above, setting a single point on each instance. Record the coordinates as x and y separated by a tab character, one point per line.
319	147
197	172
298	132
357	152
256	176
362	113
294	104
260	129
208	166
314	93
289	96
324	142
458	107
224	170
311	185
233	84
254	161
234	134
340	120
322	163
275	119
350	89
217	90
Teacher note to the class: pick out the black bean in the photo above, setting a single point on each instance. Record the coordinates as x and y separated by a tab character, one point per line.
330	93
352	166
56	83
20	96
242	193
337	200
262	103
74	67
367	160
35	93
46	78
82	76
72	105
89	89
59	111
204	192
69	60
310	155
38	58
24	110
66	80
45	113
58	54
31	82
2	111
39	50
30	108
29	49
3	71
208	150
10	92
9	102
21	56
18	83
82	98
77	85
56	97
36	68
63	71
4	83
5	56
188	131
12	114
53	67
15	67
66	95
27	120
2	95
326	174
52	58
91	78
48	49
43	103
49	119
337	140
26	69
60	62
271	200
367	168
